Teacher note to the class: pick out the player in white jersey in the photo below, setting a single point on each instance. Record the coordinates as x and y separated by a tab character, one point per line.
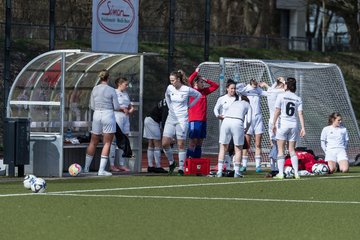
222	105
334	142
122	119
288	107
253	92
272	93
103	101
177	97
233	127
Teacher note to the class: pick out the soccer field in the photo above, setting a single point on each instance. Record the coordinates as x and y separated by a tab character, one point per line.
189	207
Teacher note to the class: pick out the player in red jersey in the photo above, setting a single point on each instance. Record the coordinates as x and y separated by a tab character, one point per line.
197	114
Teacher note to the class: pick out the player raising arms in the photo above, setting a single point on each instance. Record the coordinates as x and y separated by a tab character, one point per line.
253	92
197	114
177	98
289	107
334	142
272	93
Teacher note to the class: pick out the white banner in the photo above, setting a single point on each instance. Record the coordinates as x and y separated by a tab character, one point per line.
115	26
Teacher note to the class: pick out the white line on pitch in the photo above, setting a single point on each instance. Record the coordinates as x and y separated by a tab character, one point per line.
194	185
210	198
173	186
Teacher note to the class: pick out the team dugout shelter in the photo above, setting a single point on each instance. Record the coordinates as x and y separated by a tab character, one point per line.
53	92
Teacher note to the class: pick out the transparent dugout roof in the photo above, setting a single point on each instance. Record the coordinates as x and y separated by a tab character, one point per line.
37	90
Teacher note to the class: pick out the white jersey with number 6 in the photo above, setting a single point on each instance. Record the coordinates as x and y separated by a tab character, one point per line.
289	104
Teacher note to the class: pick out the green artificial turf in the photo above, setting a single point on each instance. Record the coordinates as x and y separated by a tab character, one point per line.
189	207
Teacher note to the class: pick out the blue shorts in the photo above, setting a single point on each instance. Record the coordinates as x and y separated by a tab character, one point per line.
197	129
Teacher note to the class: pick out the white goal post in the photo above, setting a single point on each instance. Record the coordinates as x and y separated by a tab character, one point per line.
320	85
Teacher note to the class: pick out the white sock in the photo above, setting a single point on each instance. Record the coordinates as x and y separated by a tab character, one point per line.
103	162
258	161
112	154
169	154
281	162
237	168
88	160
245	161
220	165
157	156
228	162
295	164
182	157
150	156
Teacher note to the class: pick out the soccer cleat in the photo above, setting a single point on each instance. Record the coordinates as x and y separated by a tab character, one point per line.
271	174
279	176
238	175
180	172
104	173
296	176
114	169
172	167
150	169
243	169
160	170
219	174
123	169
258	169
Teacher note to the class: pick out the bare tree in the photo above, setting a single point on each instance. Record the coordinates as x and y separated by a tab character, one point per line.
349	11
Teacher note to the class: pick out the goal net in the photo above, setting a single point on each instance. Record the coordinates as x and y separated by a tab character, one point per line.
321	87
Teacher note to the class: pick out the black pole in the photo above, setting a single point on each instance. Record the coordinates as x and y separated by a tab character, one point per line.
52	25
7	48
7	65
207	30
171	34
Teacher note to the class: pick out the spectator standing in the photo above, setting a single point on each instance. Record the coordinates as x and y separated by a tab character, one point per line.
103	101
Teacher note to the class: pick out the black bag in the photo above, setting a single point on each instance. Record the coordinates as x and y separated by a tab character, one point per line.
122	141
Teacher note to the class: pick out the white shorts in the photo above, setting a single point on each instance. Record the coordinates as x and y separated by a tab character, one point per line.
178	128
231	127
336	155
287	134
256	126
123	121
103	122
151	129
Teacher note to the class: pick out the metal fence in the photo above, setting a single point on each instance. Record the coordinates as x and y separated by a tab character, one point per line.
31	31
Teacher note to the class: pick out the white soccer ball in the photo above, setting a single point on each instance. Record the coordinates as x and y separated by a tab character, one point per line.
28	180
39	185
74	169
288	172
320	169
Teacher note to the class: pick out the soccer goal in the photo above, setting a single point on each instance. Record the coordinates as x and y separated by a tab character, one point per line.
320	85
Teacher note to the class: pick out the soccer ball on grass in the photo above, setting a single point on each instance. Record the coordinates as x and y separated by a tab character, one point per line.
75	169
320	169
28	181
39	185
288	172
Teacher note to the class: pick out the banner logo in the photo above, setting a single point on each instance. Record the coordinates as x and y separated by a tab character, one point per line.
115	16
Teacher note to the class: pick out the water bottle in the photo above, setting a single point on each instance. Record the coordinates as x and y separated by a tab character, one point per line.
68	134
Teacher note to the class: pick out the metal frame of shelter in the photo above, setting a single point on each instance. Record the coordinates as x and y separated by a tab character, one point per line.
53	91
